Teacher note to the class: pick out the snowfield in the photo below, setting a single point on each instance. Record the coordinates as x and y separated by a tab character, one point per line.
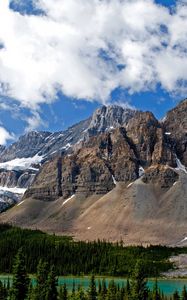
14	190
21	163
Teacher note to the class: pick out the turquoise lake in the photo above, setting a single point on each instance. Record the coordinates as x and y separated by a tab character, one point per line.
168	286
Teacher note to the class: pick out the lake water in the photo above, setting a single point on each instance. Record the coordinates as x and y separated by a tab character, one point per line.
168	286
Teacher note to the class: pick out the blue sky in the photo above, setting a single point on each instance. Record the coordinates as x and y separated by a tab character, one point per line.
49	81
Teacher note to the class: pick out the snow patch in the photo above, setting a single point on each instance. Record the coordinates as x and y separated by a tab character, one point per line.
180	166
185	239
21	203
14	190
67	200
21	163
141	171
66	147
114	180
130	184
167	133
53	152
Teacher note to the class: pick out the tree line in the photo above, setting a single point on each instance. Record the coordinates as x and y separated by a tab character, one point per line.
46	287
79	258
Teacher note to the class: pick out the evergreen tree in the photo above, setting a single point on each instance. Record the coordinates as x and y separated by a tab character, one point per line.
20	281
8	284
103	292
3	292
63	294
139	289
127	290
51	285
99	286
112	290
80	295
184	293
176	296
30	294
92	292
155	293
73	291
41	281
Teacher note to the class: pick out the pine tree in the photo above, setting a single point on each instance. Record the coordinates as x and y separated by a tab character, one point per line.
30	294
73	292
155	293
51	286
92	292
80	295
139	289
41	281
184	293
20	282
176	296
103	292
63	294
3	292
112	290
127	290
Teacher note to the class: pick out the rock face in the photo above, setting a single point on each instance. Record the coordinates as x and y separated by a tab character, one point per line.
92	169
149	140
160	175
175	125
114	155
109	117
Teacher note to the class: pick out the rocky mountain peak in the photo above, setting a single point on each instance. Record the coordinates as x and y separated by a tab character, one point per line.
109	117
27	145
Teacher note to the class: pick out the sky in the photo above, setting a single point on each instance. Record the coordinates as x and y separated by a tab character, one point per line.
62	59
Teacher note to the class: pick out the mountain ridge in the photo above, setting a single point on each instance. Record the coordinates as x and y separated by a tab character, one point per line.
125	155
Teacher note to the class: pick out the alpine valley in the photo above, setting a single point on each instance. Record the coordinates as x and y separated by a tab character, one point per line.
119	175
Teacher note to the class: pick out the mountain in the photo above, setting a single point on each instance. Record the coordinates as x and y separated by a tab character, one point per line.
21	161
122	177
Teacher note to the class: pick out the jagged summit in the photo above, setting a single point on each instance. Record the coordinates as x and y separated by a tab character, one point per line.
109	117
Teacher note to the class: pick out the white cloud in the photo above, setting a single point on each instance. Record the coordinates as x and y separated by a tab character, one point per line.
5	136
34	121
77	47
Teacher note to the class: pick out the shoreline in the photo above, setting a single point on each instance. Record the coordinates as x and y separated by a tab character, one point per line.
97	277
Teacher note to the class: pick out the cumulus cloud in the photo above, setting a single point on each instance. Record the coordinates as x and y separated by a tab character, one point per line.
5	136
86	49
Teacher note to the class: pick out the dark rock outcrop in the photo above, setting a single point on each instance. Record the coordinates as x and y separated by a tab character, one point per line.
175	125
